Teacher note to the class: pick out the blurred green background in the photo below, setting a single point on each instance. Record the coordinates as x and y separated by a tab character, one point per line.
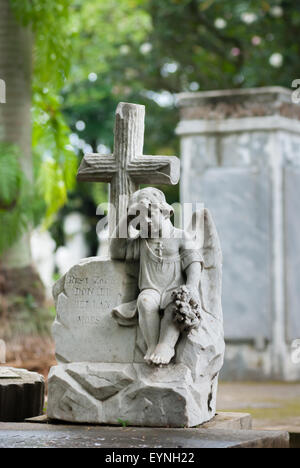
87	55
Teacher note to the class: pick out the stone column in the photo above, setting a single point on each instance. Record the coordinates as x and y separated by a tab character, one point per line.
241	156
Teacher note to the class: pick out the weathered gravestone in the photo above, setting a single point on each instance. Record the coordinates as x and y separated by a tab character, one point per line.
139	337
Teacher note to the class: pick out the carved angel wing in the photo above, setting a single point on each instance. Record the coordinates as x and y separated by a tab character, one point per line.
204	230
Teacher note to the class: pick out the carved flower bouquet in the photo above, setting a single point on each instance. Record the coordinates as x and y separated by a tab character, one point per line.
187	311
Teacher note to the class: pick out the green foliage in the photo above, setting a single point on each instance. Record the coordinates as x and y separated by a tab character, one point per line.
10	175
145	50
52	36
19	206
141	51
55	163
216	44
100	28
122	422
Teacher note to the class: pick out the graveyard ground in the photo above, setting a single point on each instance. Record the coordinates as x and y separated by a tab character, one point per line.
272	405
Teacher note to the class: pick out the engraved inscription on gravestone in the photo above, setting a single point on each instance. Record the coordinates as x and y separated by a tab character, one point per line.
89	292
84	328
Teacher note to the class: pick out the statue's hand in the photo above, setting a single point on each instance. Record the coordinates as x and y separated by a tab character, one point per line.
194	293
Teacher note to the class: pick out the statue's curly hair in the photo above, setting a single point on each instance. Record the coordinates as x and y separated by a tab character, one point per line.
155	196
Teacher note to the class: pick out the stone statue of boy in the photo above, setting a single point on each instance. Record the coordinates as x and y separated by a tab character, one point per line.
168	260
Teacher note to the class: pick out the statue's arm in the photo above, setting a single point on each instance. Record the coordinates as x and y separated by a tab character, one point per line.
193	274
192	261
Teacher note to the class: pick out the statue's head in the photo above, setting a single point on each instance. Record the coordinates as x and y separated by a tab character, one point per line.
148	208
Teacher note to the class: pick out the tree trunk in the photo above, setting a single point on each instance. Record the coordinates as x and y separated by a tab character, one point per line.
15	116
15	127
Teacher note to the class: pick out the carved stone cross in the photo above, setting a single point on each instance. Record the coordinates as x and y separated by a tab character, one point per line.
126	168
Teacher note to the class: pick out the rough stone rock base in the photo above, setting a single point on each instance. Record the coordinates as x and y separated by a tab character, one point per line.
21	397
131	394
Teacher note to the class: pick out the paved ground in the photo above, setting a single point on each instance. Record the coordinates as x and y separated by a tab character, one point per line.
274	406
37	435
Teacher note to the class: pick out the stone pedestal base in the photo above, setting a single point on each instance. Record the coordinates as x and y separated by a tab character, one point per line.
130	394
21	394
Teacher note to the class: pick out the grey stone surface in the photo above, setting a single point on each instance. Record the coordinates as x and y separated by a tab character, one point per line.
238	103
21	394
84	330
8	373
137	394
104	382
292	249
241	151
238	199
222	420
36	435
227	420
235	189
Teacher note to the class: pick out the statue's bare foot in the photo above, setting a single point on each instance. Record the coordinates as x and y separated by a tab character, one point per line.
163	354
148	354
